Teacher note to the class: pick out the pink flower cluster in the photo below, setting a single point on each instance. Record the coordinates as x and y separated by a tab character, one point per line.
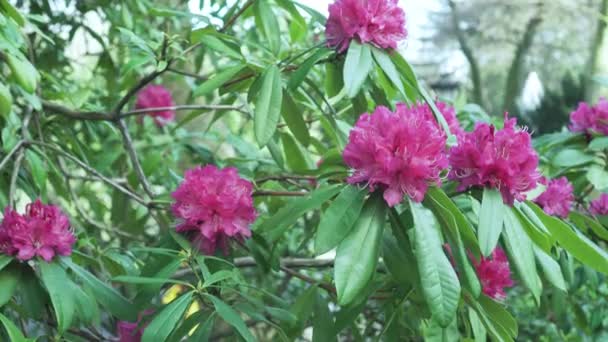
449	113
216	205
557	199
380	22
42	231
156	96
132	331
589	119
400	152
599	206
502	159
494	274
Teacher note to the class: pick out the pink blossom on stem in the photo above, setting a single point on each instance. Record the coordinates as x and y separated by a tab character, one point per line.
599	206
216	205
449	113
494	274
400	152
156	96
501	159
42	231
557	199
589	119
379	22
132	331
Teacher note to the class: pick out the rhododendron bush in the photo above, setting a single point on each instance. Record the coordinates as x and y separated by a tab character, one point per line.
261	172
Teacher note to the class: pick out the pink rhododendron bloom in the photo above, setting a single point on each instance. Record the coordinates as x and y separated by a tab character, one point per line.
590	119
494	274
131	331
42	231
449	113
215	205
501	159
156	96
557	199
599	206
400	152
380	22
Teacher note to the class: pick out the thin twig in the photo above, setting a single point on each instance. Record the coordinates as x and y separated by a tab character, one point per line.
142	83
236	15
64	111
14	176
93	171
327	287
10	153
284	177
177	108
189	74
128	144
279	193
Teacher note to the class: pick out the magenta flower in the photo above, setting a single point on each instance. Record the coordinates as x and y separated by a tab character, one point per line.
42	231
588	119
156	96
132	331
400	152
599	206
494	274
449	113
503	159
379	22
215	205
557	199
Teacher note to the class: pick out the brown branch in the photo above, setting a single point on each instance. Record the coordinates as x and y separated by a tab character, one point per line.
134	90
178	108
284	177
279	193
236	15
128	144
189	74
8	156
64	111
327	287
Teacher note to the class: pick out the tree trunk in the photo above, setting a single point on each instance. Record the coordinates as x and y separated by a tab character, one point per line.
468	53
516	70
595	48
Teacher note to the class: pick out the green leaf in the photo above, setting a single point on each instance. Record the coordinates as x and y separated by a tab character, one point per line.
400	262
551	269
87	310
585	222
12	12
339	218
295	157
323	322
108	297
386	64
598	177
5	260
440	284
276	225
55	279
300	74
571	157
357	254
216	81
356	67
499	315
163	324
490	220
231	317
577	244
438	116
24	72
6	101
598	144
294	119
203	332
479	331
520	249
148	280
39	171
268	105
447	220
9	278
14	334
217	277
267	21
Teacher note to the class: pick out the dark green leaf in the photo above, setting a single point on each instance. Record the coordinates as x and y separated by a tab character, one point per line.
163	324
357	254
338	219
231	317
9	277
148	280
439	281
216	81
14	334
385	63
294	154
268	105
323	322
356	67
5	260
55	279
585	222
300	74
269	24
551	269
571	157
293	117
490	220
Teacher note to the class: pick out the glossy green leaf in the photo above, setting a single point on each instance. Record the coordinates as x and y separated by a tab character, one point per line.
14	334
520	249
6	101
490	220
148	280
479	331
585	222
574	242
5	260
277	224
598	177
386	64
38	170
294	154
9	277
216	81
268	105
54	278
220	46
293	116
499	315
598	144
323	322
357	254
108	297
12	12
356	67
300	74
339	218
551	269
24	72
230	316
269	24
165	321
440	284
571	157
